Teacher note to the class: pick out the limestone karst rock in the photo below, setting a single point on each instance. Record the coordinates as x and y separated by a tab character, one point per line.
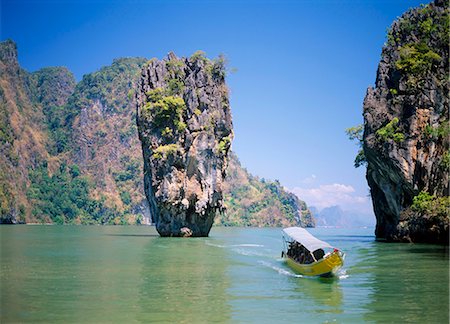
78	141
406	134
185	127
26	100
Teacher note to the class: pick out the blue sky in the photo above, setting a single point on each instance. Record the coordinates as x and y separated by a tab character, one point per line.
303	68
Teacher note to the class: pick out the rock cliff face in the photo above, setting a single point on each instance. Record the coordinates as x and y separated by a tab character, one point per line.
104	141
406	130
70	152
24	140
185	127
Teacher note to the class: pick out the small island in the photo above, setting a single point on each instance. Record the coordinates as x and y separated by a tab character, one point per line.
185	127
406	129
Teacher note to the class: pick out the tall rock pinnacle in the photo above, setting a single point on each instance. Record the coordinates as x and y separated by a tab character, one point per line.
406	133
185	128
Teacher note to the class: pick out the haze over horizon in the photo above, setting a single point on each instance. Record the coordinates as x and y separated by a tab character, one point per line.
303	70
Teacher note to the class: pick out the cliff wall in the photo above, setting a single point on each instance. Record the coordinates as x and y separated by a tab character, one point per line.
185	127
70	152
406	129
24	139
104	143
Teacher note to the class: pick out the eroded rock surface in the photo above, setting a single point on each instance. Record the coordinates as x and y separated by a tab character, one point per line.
406	134
185	128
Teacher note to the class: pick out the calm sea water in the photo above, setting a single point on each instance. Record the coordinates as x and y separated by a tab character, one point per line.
97	274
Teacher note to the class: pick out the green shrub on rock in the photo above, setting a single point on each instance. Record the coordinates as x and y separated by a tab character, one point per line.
416	59
445	162
390	131
430	205
355	133
165	111
165	151
224	144
199	56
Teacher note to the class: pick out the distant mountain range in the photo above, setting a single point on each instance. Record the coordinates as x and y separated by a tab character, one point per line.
335	216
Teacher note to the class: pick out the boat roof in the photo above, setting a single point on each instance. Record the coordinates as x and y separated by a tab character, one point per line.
305	238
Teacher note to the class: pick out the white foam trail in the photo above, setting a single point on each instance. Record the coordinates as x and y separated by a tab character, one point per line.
247	245
342	274
247	252
279	270
234	245
216	245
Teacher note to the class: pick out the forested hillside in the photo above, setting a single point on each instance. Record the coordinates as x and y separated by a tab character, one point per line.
70	152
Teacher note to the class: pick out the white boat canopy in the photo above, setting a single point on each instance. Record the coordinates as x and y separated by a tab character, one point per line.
303	237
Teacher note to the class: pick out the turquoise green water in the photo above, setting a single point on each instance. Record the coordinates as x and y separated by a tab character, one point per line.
76	274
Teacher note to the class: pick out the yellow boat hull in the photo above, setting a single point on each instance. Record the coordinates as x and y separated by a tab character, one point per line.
325	267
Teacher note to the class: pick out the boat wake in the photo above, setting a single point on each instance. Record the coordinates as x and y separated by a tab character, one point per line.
247	245
281	271
246	249
216	245
247	252
342	274
234	245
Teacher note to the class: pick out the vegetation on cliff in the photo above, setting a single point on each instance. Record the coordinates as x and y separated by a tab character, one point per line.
185	127
70	152
24	137
406	127
49	122
251	201
104	141
355	133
